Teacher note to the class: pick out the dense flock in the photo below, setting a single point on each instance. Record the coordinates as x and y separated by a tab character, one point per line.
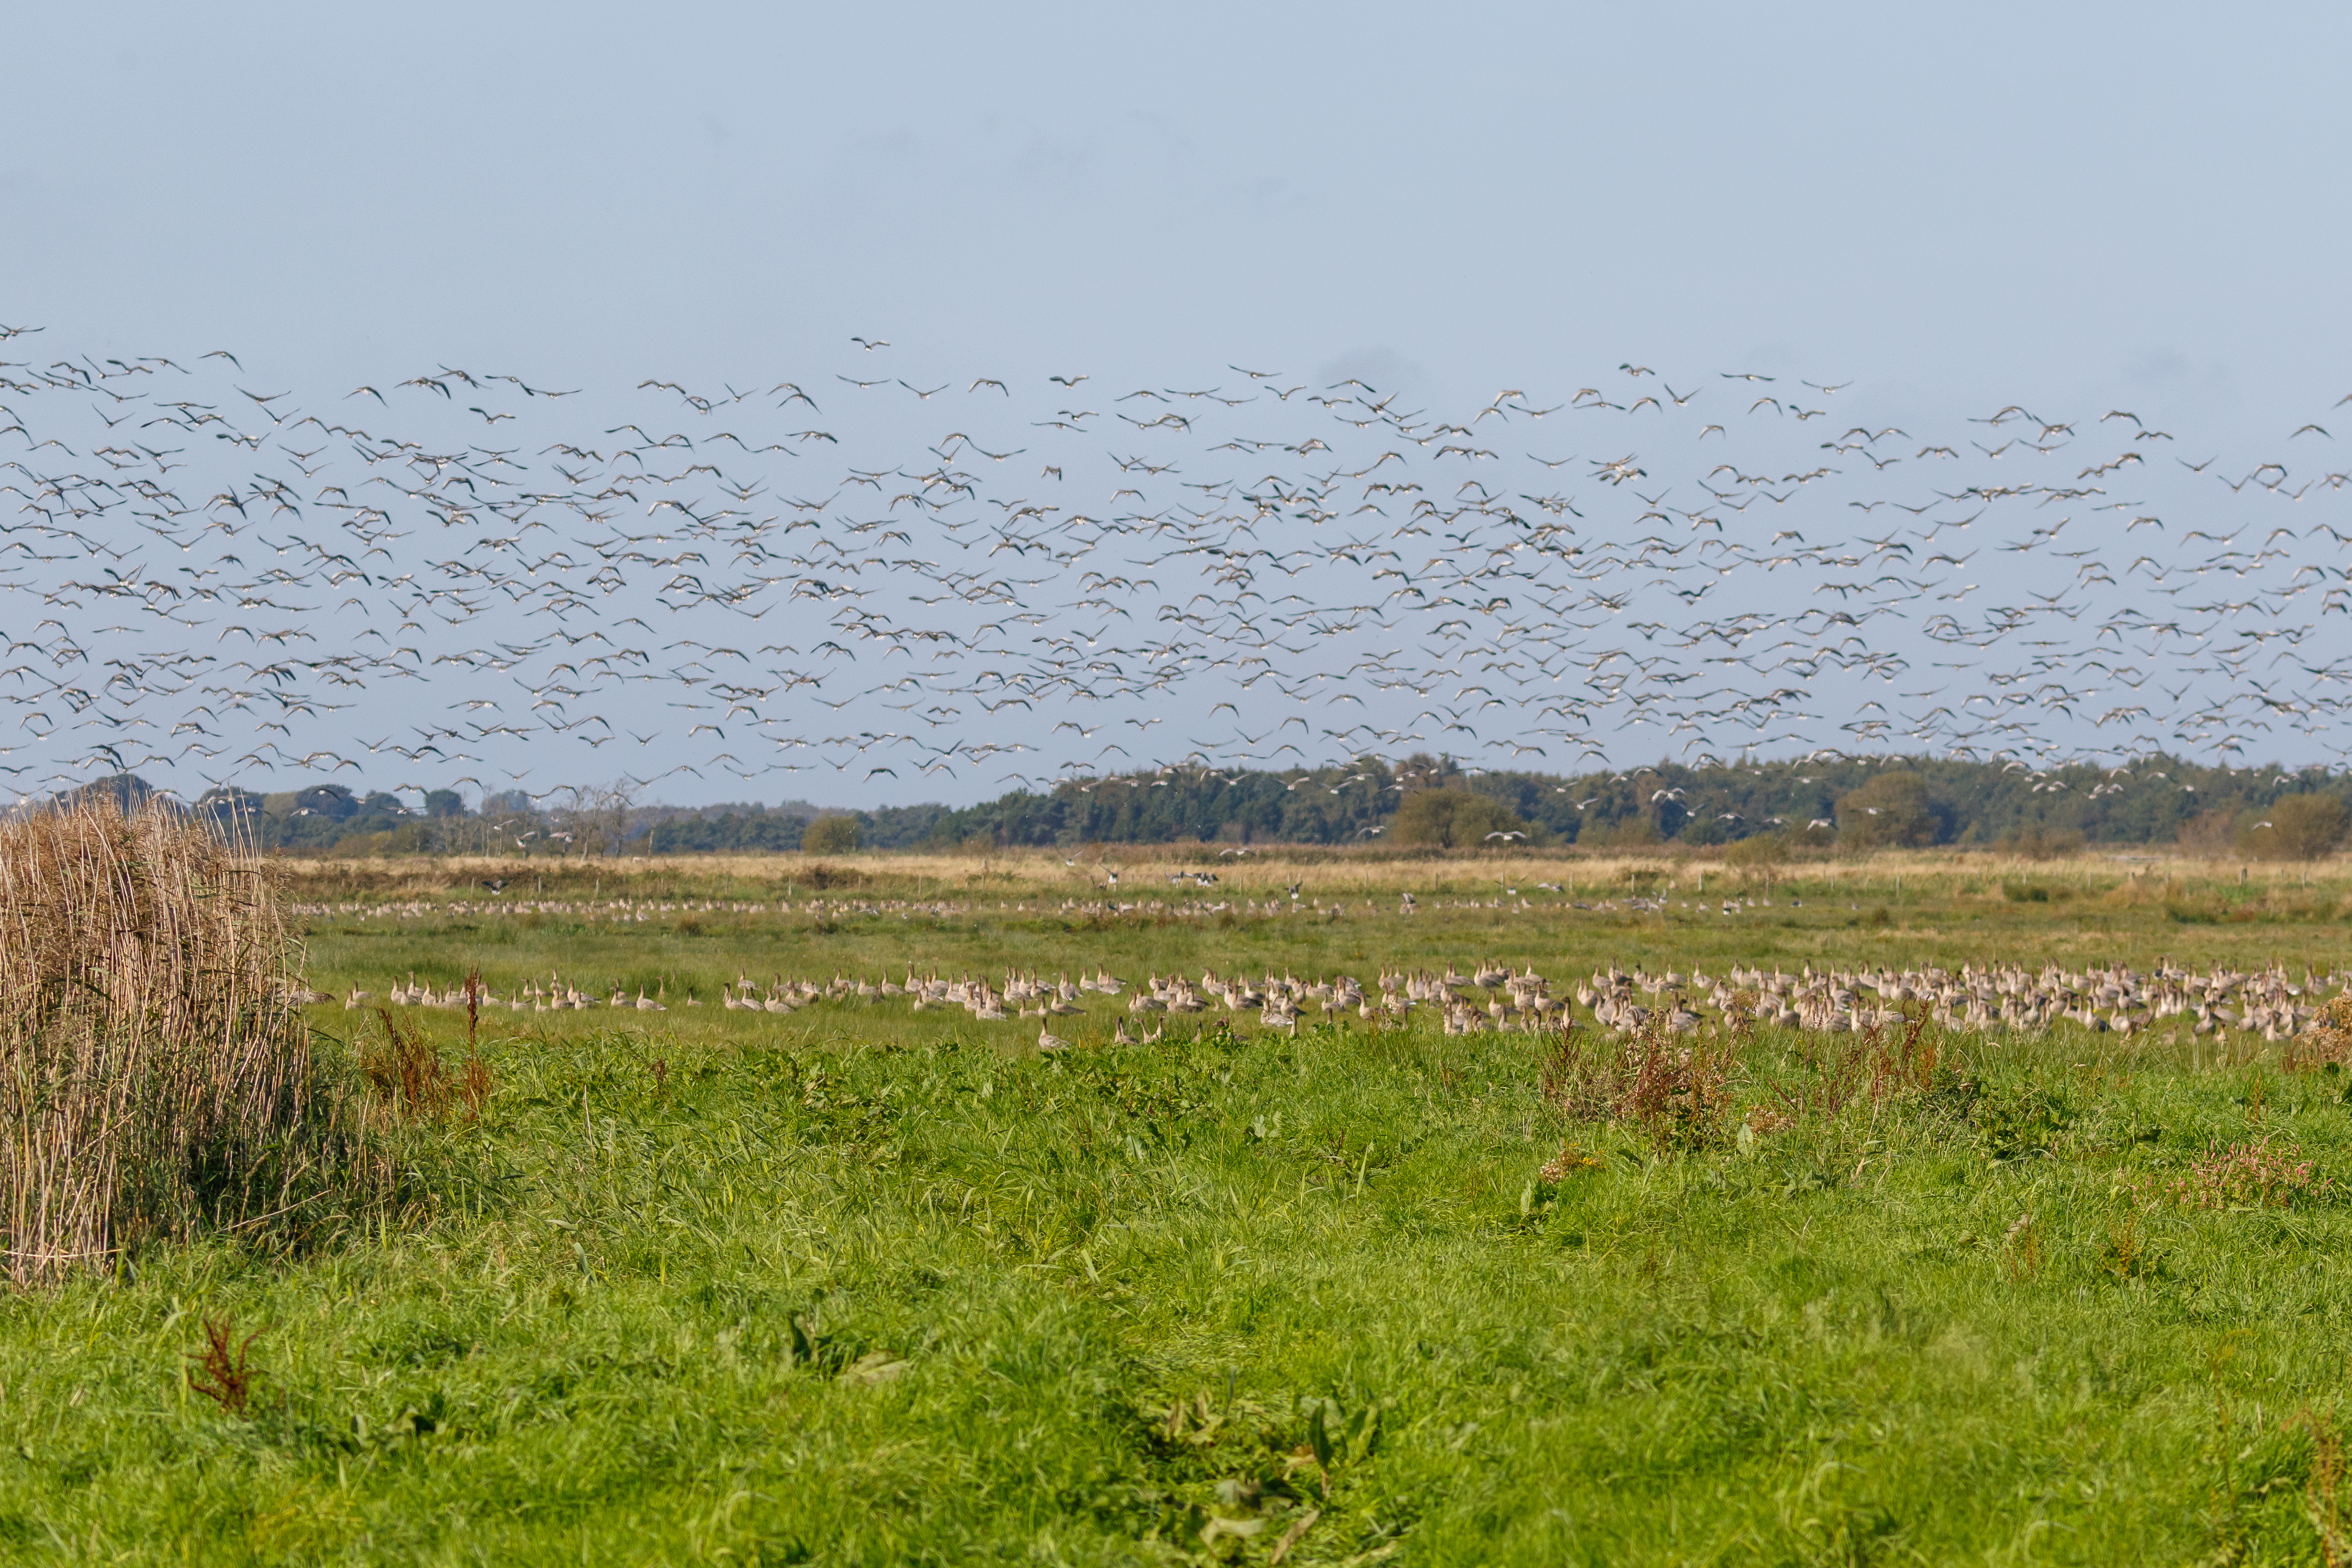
2270	1004
637	912
868	569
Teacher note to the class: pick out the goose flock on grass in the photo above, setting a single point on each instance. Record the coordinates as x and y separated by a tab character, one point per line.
2270	1004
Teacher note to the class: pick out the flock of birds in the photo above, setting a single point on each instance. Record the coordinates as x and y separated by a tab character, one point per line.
459	576
622	912
2268	1004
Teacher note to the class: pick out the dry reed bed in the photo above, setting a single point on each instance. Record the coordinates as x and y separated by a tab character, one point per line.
156	1070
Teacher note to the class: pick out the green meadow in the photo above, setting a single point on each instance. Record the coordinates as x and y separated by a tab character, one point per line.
855	1284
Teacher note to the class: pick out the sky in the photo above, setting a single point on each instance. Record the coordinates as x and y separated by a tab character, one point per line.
1952	207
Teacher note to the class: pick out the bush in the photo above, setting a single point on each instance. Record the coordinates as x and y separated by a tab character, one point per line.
830	836
2296	827
1757	851
156	1068
1890	811
2208	834
1454	818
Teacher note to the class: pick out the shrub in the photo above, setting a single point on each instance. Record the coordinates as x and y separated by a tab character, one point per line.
1891	811
2208	834
835	835
1452	819
1756	851
2296	827
155	1069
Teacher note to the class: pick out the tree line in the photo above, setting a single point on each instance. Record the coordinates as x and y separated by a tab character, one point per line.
1422	799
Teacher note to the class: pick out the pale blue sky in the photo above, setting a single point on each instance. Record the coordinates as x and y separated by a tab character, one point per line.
1984	201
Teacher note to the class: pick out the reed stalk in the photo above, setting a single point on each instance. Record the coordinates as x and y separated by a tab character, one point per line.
156	1075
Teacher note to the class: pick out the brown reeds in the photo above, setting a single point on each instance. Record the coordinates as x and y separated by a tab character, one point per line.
156	1069
407	1076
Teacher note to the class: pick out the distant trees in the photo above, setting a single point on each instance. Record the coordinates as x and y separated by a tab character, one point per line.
232	812
596	818
1332	805
1454	818
1890	811
1419	799
765	829
736	833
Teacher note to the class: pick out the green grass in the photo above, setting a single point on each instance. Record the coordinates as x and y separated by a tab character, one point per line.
854	1286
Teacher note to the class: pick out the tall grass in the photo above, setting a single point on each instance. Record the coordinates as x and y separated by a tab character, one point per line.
156	1075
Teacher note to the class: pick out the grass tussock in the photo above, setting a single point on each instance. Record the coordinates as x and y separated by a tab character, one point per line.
156	1072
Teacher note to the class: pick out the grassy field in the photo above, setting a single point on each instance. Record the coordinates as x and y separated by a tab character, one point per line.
858	1285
